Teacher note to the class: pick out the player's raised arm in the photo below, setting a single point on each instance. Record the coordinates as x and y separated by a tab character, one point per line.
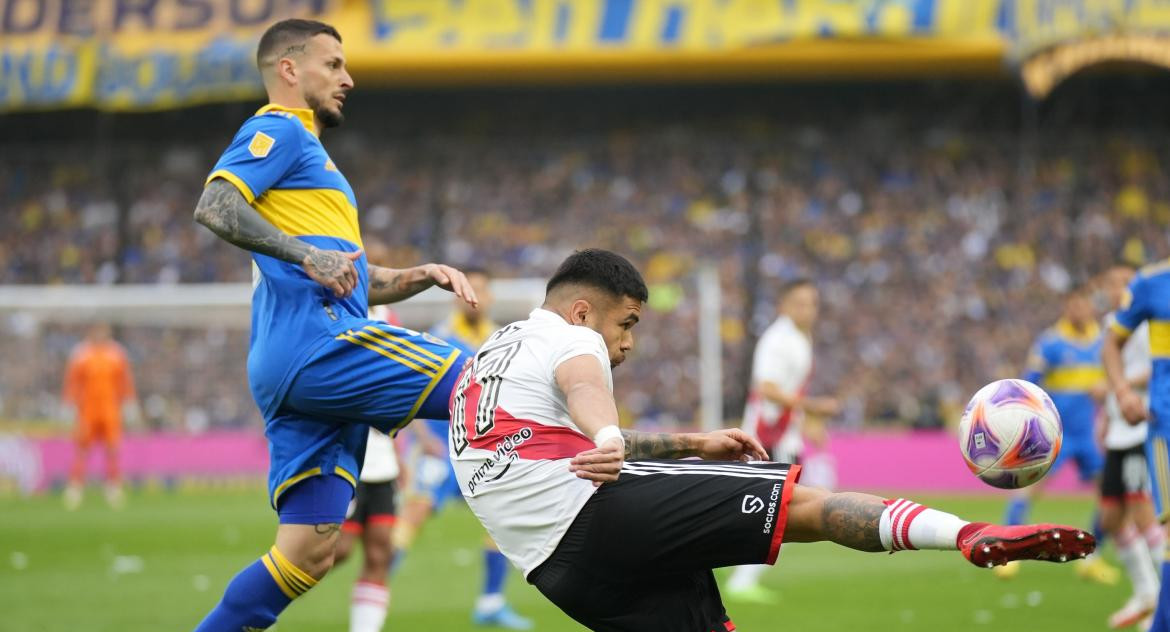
389	285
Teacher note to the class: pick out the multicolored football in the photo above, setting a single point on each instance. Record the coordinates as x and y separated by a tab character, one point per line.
1010	434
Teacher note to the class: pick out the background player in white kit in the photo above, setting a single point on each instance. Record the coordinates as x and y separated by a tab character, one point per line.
373	512
782	366
538	453
1127	512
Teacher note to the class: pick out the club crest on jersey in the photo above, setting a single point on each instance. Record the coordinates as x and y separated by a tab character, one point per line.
261	144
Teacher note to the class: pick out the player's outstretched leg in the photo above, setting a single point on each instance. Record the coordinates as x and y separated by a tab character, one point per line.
870	523
311	514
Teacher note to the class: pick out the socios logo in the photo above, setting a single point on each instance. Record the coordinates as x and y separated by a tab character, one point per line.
752	504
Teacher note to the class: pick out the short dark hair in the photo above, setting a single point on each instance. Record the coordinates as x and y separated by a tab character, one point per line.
603	270
795	284
288	33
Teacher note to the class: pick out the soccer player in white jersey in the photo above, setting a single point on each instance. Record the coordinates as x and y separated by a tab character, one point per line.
371	517
538	454
1127	512
777	402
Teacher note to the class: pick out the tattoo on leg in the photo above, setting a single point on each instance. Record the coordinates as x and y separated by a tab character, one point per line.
328	528
852	520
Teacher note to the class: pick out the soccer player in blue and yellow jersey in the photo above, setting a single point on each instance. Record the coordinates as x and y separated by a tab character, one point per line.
433	482
320	370
1065	360
1148	300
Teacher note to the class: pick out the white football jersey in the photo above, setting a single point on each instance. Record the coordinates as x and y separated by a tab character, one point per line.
512	438
784	357
381	463
1135	359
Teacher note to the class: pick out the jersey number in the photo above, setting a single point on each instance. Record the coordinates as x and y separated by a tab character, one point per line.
487	373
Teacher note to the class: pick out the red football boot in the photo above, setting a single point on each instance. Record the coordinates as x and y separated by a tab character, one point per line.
990	545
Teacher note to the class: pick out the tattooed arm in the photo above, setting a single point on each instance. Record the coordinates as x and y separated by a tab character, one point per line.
389	285
223	209
659	445
721	445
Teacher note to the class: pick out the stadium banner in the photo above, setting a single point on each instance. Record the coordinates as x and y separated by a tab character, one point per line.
925	461
154	54
1053	39
145	54
156	458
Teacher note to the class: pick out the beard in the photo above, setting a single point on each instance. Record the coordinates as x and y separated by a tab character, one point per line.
329	118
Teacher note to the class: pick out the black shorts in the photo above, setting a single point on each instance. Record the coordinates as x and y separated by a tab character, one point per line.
1126	476
372	504
638	557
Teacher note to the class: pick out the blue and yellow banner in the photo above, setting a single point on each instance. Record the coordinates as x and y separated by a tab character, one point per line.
143	54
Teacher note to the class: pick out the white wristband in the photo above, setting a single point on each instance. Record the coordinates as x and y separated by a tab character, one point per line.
609	432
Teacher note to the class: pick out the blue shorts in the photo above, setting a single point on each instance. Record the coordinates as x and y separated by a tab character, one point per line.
433	477
1158	461
373	374
1083	450
316	500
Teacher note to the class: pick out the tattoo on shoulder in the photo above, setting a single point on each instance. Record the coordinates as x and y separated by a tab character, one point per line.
653	445
328	528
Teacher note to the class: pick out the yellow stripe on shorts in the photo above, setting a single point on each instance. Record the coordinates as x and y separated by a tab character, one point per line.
356	337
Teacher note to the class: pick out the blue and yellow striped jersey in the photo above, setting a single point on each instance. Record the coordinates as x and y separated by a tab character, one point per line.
281	168
1148	299
1067	364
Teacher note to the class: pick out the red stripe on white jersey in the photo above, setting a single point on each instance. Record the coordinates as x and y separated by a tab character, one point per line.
542	442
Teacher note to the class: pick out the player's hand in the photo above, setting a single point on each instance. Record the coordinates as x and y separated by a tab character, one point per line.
453	281
334	269
1132	407
601	464
731	444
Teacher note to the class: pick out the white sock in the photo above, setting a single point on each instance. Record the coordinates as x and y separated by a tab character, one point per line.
1134	554
745	576
489	603
1155	538
368	606
908	525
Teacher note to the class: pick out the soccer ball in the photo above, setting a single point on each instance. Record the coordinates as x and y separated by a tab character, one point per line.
1010	434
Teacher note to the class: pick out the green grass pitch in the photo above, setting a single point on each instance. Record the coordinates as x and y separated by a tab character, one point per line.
162	562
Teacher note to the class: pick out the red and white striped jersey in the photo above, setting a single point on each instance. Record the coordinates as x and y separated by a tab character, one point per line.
511	435
784	357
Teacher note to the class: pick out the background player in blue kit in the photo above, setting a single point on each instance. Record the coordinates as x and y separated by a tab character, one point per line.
320	370
1066	361
433	484
1148	300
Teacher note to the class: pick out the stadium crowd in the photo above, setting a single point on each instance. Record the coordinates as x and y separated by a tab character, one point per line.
940	231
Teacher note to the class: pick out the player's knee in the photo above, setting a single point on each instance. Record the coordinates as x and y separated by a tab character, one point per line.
319	563
344	548
377	558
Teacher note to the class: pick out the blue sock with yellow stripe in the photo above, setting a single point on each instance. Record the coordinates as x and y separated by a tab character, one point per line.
257	595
